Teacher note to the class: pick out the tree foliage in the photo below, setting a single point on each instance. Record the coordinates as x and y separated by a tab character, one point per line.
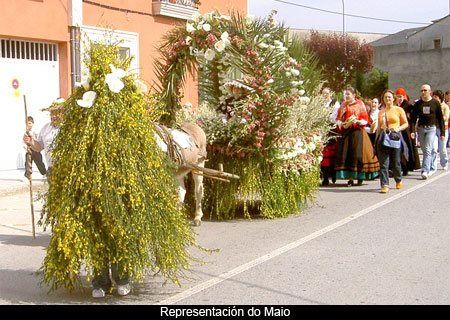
371	85
341	57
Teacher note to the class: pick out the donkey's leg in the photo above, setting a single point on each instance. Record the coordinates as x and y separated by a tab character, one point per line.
198	180
181	187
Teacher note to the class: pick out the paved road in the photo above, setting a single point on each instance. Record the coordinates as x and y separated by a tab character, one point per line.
354	246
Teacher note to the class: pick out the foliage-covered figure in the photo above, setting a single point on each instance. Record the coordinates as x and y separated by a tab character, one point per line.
112	198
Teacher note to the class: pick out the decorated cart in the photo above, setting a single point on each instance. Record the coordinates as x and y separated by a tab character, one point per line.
260	121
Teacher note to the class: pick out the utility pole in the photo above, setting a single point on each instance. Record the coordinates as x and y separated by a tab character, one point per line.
343	18
343	26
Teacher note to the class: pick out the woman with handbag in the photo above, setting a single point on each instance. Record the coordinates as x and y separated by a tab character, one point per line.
392	120
355	158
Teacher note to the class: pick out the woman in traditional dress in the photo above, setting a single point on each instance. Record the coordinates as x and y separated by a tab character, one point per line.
329	150
355	158
409	154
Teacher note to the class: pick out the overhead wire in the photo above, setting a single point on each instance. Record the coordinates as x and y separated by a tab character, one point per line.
351	15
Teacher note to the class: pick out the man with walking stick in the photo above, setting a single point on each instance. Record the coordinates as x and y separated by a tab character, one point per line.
47	134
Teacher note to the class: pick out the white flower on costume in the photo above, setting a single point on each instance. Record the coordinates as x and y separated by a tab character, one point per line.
188	40
59	100
304	100
113	79
206	27
224	36
278	44
85	78
220	45
224	17
210	54
295	72
88	99
119	73
140	86
114	83
195	16
190	27
249	19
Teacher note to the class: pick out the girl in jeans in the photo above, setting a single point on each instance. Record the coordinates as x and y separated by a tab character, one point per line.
396	121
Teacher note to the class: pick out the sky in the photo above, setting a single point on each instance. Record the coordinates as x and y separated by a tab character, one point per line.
295	15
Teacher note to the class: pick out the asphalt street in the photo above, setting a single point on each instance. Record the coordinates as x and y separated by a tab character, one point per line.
353	245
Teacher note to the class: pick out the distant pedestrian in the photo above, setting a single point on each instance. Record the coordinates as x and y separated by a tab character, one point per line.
372	126
447	101
391	118
441	144
409	153
427	112
35	155
329	150
47	135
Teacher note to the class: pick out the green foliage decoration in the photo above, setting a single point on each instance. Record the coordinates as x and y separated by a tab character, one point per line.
112	197
255	110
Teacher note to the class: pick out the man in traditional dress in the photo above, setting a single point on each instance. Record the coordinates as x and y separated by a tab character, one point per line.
329	150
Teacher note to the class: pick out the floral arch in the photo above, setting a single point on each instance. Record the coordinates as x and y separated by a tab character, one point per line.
254	94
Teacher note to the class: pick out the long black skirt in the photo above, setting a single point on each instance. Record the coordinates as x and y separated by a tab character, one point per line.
355	157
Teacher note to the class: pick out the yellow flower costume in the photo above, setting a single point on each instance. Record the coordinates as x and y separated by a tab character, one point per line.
112	196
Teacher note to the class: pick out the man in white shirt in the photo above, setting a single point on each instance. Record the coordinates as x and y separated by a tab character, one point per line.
35	156
328	95
46	135
329	150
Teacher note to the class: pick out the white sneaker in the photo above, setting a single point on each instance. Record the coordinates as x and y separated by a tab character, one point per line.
424	175
123	290
98	293
431	172
445	168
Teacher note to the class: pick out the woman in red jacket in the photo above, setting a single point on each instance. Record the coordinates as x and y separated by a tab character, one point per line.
355	158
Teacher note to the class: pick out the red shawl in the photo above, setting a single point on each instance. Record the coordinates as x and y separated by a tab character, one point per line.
357	108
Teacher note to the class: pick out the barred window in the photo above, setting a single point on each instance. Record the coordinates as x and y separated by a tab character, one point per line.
28	50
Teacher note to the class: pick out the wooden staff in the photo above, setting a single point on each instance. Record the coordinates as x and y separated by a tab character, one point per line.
30	169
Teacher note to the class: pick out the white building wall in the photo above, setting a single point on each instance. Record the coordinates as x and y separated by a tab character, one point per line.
37	75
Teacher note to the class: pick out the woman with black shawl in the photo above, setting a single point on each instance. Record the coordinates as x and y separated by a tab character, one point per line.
409	154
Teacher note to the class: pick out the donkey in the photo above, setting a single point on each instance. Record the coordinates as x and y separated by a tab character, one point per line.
185	145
